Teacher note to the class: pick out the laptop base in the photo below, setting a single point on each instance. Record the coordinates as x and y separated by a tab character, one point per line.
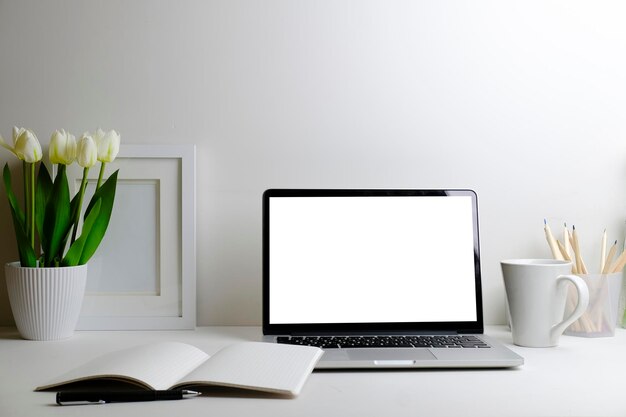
495	356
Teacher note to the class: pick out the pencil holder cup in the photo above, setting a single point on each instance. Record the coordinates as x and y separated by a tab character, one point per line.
601	316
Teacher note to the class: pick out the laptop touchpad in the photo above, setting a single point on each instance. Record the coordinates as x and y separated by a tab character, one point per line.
390	354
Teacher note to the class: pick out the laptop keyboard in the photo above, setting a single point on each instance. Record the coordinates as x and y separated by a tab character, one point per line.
338	342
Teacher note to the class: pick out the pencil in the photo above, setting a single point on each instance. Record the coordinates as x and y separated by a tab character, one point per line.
607	262
556	253
580	264
619	263
566	241
566	256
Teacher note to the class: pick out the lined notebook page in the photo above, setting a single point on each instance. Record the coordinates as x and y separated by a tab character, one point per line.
260	366
157	365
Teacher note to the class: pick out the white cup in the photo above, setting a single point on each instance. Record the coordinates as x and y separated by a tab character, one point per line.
536	292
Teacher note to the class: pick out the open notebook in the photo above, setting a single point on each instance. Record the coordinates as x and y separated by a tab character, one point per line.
169	365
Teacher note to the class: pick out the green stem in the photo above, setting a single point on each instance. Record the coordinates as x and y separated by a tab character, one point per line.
81	194
26	199
32	205
100	175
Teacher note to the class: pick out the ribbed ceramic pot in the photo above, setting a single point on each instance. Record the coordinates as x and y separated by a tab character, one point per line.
46	302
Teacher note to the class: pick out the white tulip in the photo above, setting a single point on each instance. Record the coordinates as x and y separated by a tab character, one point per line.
98	134
62	147
87	152
27	146
108	145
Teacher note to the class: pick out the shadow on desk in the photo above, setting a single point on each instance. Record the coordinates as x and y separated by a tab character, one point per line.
10	334
413	370
206	390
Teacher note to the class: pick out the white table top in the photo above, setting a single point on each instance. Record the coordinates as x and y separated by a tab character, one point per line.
579	377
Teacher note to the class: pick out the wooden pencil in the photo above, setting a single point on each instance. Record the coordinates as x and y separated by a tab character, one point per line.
619	263
609	259
566	255
567	240
556	253
582	268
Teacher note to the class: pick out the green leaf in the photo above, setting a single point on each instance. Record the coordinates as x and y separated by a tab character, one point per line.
42	195
26	252
57	222
11	196
74	206
75	253
107	189
107	194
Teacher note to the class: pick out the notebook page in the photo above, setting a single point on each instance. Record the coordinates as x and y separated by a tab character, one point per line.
157	366
259	366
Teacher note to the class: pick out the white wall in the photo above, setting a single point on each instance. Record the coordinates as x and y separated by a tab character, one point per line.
523	101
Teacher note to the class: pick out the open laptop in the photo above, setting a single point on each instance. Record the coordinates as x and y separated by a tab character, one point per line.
377	278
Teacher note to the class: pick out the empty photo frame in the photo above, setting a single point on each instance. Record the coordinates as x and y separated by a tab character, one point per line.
143	275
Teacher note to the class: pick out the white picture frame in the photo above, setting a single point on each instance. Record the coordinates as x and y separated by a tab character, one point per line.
143	275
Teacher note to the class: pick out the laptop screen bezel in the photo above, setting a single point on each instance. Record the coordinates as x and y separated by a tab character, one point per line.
368	328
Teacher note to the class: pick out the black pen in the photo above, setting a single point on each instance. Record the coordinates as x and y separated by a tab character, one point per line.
75	398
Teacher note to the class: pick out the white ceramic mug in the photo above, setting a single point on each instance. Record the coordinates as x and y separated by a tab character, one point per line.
536	292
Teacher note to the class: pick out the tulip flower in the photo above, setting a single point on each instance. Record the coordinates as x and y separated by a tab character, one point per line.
108	148
62	148
98	134
87	151
26	146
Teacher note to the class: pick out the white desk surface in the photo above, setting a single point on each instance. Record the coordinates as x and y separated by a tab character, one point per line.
579	377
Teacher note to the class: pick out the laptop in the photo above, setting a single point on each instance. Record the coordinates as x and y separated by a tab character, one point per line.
377	278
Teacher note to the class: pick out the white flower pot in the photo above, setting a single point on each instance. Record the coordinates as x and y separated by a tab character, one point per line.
46	302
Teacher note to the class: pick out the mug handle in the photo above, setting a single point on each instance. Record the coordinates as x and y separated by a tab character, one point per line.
583	302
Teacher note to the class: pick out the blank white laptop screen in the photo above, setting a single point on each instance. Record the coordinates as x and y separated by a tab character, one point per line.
371	259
